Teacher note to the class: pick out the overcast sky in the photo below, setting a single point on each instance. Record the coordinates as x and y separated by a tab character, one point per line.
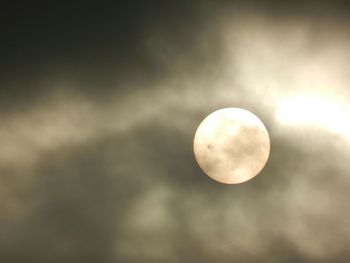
99	105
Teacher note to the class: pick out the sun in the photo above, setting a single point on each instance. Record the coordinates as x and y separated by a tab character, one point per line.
231	145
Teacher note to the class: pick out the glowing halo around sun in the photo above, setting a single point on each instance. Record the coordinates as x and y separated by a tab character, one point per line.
322	112
231	145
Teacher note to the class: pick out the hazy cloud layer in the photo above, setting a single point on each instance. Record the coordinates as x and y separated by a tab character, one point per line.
96	159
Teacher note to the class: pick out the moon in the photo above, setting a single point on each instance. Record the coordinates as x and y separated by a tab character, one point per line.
231	145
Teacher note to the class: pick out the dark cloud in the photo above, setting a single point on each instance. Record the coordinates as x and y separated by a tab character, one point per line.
96	48
99	106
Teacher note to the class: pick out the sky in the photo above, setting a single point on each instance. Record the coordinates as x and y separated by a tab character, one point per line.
99	105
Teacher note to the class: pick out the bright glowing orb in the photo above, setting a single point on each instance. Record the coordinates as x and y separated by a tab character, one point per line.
231	145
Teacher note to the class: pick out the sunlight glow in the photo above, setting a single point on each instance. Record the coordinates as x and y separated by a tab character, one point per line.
318	111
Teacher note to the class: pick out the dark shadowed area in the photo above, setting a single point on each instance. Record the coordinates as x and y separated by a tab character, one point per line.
99	105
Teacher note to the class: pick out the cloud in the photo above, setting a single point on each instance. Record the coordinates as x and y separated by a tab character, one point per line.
107	173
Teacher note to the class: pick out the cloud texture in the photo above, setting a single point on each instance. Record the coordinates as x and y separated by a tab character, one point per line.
96	159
